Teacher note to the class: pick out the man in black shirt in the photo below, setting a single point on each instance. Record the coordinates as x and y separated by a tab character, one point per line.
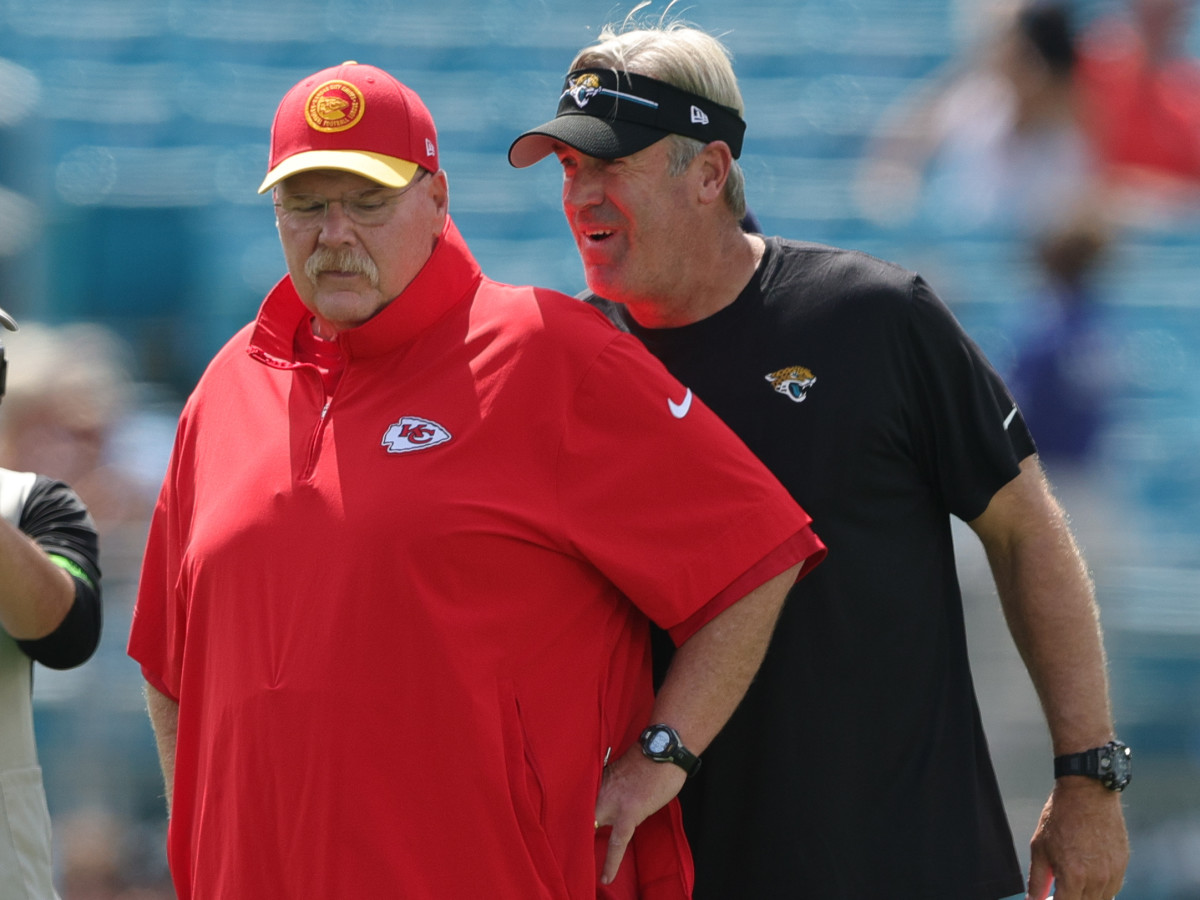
856	766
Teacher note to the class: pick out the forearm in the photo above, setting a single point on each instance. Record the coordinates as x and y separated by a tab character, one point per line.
164	717
711	672
709	675
1049	602
35	594
1080	844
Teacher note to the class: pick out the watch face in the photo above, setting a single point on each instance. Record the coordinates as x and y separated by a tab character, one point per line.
1116	766
659	742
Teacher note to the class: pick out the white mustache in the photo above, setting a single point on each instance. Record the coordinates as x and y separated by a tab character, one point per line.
327	259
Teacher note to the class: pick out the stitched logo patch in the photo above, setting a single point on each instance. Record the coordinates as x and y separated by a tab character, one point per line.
793	382
334	106
413	433
583	88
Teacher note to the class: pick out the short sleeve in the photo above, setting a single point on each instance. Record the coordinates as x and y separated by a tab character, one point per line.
970	435
57	520
662	497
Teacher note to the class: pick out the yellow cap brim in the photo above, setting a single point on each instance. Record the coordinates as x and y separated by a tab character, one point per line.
386	170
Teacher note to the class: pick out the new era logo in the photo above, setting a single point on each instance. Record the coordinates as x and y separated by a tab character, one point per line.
699	117
430	150
413	433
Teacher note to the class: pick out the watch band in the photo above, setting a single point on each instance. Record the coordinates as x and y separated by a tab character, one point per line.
1086	763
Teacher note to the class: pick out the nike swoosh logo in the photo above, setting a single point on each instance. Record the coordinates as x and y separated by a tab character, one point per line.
1012	415
679	410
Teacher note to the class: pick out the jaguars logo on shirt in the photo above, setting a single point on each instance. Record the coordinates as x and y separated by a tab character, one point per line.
793	382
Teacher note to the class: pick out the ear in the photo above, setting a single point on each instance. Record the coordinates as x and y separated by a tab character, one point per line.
713	166
439	195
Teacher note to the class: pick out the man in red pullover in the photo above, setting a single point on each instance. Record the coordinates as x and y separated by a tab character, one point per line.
394	613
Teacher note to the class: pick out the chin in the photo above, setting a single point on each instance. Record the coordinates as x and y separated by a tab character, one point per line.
601	285
347	310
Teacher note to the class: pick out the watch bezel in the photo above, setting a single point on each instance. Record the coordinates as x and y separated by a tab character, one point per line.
675	752
1114	764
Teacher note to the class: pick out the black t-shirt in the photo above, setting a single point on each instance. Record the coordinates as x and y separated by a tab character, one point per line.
57	520
856	767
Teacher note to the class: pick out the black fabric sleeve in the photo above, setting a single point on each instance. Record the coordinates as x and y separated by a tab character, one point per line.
972	433
60	524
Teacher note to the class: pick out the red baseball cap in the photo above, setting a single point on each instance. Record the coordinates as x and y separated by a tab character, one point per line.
353	118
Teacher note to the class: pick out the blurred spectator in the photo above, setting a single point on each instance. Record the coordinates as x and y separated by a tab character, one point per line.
69	390
1065	378
1141	94
1060	377
995	140
91	850
103	859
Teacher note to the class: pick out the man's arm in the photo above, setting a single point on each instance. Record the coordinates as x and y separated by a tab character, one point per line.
1048	601
35	594
164	716
55	530
708	677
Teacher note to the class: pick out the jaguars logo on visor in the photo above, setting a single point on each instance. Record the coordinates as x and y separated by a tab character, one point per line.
583	87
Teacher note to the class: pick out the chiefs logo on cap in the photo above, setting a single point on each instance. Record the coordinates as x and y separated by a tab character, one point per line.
334	106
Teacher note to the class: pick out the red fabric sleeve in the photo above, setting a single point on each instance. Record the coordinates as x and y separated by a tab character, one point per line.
803	545
674	510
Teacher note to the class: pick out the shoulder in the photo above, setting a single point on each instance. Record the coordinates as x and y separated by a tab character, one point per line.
540	336
54	507
542	318
38	504
836	267
551	305
50	492
838	283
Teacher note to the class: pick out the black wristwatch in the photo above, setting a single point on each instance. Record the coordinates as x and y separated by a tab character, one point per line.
1111	765
661	743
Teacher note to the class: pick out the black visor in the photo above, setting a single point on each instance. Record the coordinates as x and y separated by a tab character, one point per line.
609	114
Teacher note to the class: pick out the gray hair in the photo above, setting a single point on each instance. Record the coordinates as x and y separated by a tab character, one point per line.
682	56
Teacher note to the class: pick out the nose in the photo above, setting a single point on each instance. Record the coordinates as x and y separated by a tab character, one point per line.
336	226
582	188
